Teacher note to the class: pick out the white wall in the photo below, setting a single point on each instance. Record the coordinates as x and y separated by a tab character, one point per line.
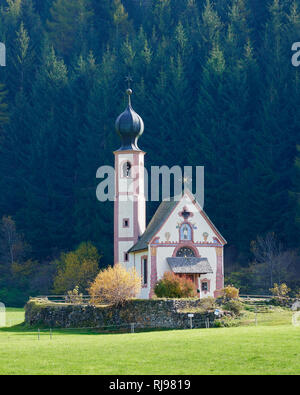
126	211
123	247
162	265
135	261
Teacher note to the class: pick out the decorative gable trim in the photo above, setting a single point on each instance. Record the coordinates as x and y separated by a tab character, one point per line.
217	240
205	216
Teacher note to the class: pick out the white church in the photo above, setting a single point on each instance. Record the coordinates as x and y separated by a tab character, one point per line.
179	238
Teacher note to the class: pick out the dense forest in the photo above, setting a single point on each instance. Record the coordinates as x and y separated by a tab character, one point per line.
214	83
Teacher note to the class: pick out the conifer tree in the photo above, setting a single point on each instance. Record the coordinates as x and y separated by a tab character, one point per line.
211	24
122	24
69	25
22	62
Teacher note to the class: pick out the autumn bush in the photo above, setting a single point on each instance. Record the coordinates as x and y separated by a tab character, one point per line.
230	293
229	300
280	290
115	285
280	294
172	286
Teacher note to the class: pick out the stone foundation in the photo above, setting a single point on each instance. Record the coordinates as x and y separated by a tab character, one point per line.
144	313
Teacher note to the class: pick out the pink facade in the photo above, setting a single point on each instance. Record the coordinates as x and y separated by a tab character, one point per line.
153	276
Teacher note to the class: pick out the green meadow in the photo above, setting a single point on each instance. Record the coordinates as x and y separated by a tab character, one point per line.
272	347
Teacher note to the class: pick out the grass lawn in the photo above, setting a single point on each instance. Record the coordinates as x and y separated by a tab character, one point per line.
14	316
272	347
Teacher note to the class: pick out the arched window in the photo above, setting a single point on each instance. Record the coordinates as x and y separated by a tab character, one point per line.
185	232
185	252
144	271
127	169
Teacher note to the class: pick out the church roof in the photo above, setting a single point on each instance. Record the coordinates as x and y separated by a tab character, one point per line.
189	265
160	217
162	213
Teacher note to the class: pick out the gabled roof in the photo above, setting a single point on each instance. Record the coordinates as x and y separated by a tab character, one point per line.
189	265
162	213
206	217
160	217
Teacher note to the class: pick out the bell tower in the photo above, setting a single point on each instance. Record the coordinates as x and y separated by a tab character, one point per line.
130	205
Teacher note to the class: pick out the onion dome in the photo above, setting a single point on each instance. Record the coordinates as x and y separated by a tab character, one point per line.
129	126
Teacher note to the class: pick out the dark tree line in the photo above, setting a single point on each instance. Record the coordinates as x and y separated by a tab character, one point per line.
213	82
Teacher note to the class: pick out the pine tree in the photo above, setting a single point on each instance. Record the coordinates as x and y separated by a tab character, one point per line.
211	24
259	14
23	62
69	25
238	32
162	16
122	24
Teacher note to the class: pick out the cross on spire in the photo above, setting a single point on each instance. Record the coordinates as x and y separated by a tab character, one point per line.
128	79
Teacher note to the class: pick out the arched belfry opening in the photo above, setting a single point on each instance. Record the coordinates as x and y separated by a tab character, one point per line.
127	170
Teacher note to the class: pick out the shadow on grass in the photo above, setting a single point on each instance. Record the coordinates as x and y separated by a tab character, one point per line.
25	329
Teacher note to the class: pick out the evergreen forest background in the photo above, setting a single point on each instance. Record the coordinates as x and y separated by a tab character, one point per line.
214	83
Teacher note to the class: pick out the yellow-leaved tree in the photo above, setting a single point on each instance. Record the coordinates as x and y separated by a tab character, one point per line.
76	269
280	291
115	285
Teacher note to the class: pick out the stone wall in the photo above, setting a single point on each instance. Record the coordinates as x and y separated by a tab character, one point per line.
144	313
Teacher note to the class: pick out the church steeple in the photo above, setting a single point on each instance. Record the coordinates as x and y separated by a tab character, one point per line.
130	204
129	126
